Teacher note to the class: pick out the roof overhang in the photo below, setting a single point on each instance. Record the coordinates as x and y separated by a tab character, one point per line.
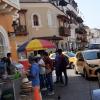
57	38
8	7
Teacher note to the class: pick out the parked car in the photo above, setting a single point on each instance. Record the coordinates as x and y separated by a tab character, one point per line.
70	55
88	63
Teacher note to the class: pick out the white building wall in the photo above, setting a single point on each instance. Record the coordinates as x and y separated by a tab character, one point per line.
95	36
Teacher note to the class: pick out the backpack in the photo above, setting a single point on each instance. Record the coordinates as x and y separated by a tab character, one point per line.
65	60
2	68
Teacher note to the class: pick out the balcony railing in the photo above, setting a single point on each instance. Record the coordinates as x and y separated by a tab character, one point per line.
64	31
84	40
79	20
21	30
74	4
80	30
81	39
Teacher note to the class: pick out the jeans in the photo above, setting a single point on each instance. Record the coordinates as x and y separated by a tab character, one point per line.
49	82
65	75
42	81
59	75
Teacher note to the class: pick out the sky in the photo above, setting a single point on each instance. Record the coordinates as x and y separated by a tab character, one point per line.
90	9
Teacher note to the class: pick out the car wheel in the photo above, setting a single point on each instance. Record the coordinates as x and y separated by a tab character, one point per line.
85	74
71	65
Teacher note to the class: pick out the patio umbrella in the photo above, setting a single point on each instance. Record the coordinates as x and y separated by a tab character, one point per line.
39	44
36	44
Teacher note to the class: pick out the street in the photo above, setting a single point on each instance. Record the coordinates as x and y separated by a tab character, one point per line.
78	88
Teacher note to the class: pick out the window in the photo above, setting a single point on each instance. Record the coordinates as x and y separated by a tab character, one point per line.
49	19
92	55
35	20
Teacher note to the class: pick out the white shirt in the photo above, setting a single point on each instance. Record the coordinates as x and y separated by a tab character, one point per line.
42	69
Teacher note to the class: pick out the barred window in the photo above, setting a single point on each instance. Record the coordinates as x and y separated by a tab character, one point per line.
35	20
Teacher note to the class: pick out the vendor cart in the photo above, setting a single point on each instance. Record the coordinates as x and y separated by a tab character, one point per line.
10	89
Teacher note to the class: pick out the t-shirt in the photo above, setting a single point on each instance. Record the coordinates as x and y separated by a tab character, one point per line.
42	69
57	61
48	64
35	74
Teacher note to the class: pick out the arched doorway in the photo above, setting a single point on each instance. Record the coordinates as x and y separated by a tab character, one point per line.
4	42
1	47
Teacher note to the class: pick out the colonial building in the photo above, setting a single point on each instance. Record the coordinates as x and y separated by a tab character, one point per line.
8	8
49	19
78	33
42	19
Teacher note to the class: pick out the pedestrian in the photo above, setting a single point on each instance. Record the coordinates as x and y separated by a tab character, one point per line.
62	63
42	73
49	69
8	63
57	65
34	77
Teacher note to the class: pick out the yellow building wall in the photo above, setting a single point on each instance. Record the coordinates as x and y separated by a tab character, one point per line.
6	23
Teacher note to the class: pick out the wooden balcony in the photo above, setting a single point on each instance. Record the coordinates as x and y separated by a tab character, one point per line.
84	40
63	18
71	13
81	39
79	20
64	31
80	30
21	30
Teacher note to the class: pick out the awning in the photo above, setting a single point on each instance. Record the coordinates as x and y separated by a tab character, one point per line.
50	38
63	17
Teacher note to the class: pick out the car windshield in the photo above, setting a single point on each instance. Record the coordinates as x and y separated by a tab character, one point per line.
70	54
91	55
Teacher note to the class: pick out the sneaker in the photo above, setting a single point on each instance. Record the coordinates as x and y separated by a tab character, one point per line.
51	93
43	89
